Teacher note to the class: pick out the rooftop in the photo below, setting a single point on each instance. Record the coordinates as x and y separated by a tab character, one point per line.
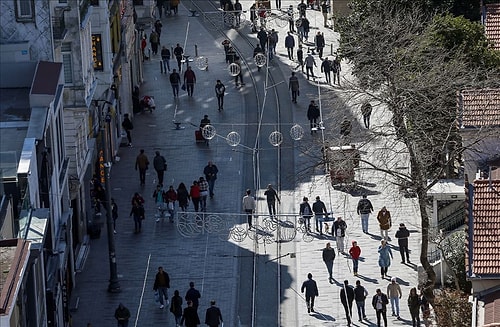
479	108
492	24
485	233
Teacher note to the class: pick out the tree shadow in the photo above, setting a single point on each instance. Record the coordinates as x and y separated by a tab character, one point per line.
355	190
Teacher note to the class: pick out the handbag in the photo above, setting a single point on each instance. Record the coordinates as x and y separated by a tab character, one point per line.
183	87
298	93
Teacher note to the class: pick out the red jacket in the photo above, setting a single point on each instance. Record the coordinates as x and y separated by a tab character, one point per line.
355	252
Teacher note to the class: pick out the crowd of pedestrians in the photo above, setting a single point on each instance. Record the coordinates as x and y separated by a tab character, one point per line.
172	199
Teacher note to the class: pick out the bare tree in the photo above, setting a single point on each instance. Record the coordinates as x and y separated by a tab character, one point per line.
396	62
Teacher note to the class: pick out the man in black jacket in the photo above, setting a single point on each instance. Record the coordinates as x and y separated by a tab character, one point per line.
347	297
160	165
365	207
161	285
213	316
379	303
402	235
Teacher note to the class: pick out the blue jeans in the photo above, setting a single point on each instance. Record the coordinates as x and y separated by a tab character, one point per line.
329	267
165	64
319	222
361	309
395	305
211	184
355	263
364	222
175	89
123	323
162	292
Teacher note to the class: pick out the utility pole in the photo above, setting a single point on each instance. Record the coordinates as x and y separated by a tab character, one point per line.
105	165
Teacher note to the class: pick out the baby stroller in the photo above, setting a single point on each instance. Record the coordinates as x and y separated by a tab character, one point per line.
148	103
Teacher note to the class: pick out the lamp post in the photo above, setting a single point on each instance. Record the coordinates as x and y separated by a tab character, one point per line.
105	165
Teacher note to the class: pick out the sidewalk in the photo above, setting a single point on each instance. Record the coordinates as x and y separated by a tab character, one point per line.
207	260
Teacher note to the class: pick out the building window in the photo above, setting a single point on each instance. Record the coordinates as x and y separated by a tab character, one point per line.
138	2
25	10
97	52
67	62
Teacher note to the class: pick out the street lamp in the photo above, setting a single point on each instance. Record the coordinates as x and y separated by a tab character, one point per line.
105	165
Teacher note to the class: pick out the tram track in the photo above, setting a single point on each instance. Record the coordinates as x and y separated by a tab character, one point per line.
262	311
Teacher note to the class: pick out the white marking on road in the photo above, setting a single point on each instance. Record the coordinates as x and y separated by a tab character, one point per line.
141	299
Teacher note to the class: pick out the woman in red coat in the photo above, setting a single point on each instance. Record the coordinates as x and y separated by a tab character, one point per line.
355	252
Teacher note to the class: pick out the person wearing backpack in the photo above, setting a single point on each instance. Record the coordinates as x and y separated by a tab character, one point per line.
365	207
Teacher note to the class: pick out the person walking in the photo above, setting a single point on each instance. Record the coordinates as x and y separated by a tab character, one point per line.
291	20
122	315
319	41
144	44
328	258
364	209
220	90
272	41
320	213
347	297
402	235
170	199
249	207
176	307
194	193
289	45
345	128
313	114
336	70
238	76
211	172
160	165
189	80
326	67
114	213
394	294
128	126
203	185
165	60
310	64
175	80
324	11
142	163
159	197
360	294
311	289
213	316
379	303
301	7
414	306
182	196
271	198
154	40
384	258
161	285
178	53
190	316
385	223
193	295
262	36
338	230
366	111
305	212
355	252
158	26
300	58
137	212
293	86
237	15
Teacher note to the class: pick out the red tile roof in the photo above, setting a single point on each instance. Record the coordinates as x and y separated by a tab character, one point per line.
492	24
485	233
479	108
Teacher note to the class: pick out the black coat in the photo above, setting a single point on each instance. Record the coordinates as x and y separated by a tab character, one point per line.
350	295
213	316
190	317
